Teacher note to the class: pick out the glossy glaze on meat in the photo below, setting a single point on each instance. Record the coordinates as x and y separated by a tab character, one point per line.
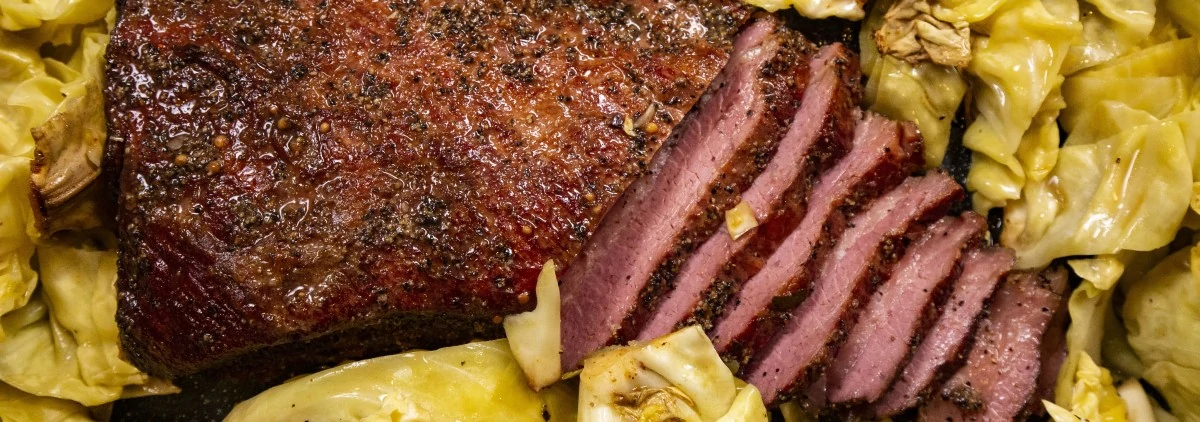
294	169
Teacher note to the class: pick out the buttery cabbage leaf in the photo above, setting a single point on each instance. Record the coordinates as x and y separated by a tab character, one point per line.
64	343
476	381
19	406
1111	29
1157	81
1162	314
17	277
925	93
535	336
817	9
1186	13
1016	70
21	15
679	376
1094	397
1129	191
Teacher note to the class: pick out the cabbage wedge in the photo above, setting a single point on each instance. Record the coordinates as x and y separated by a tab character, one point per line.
64	343
926	93
1016	71
19	406
1162	314
476	381
1130	191
677	377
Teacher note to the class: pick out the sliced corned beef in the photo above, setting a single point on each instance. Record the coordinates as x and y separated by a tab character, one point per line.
900	310
1000	375
725	142
863	254
819	135
949	338
1054	353
883	153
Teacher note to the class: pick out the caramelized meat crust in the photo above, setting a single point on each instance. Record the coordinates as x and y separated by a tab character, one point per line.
288	170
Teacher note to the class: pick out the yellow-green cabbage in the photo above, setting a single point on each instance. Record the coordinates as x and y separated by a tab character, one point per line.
816	9
536	336
64	343
1016	70
925	93
476	381
1162	314
679	376
1157	80
31	89
1129	191
38	14
1093	398
17	278
19	406
1111	29
1186	13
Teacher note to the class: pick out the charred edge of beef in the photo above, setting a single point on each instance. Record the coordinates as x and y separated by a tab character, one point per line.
835	129
781	75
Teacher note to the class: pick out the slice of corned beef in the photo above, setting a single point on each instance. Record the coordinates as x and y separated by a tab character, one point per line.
883	154
1000	375
1054	353
900	310
865	253
819	135
948	340
724	143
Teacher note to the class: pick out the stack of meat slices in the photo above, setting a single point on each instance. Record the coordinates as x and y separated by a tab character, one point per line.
857	293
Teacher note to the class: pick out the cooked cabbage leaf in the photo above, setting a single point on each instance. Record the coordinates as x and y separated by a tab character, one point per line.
1016	69
17	278
1162	314
64	343
1087	307
925	93
1186	13
476	381
679	376
1111	29
817	9
21	15
1157	80
1139	406
1129	191
535	336
916	31
1094	397
19	406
